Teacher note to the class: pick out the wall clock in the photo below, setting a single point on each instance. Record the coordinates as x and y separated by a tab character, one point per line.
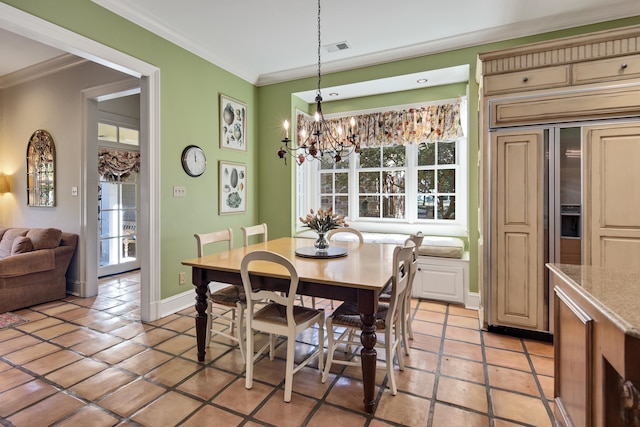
194	162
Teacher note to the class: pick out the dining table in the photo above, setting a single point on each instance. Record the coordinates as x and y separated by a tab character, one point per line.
355	273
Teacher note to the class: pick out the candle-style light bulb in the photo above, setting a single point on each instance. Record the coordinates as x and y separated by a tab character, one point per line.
339	130
317	116
286	128
352	122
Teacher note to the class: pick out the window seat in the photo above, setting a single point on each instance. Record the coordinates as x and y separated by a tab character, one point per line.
433	246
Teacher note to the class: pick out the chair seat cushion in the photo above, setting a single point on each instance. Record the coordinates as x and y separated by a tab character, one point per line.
277	313
348	315
228	296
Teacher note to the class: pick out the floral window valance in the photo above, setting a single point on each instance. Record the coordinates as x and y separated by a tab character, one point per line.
411	126
118	165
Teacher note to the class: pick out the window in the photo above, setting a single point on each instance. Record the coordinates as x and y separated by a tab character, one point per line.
393	187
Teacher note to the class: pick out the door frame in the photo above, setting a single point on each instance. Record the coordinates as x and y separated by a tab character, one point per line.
148	77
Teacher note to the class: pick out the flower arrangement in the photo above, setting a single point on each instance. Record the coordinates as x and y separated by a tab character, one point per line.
323	220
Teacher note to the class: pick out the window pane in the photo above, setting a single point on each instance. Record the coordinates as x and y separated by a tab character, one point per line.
344	163
129	136
326	202
108	224
393	207
369	206
426	181
107	132
393	182
427	154
370	157
446	181
369	182
446	153
326	162
342	182
109	196
326	184
447	207
394	156
128	196
425	206
342	205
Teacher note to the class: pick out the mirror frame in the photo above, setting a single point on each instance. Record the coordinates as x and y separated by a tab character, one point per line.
41	177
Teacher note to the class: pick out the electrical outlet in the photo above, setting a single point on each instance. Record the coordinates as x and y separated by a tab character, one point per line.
179	191
182	278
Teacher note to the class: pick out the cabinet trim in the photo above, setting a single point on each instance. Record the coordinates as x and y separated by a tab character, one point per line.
623	101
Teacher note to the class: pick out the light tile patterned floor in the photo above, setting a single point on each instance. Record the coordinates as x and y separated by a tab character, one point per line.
82	362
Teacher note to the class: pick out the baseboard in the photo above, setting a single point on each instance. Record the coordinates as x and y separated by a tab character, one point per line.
74	288
177	303
472	301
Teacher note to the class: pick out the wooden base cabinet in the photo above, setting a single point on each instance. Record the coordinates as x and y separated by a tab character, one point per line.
596	345
442	279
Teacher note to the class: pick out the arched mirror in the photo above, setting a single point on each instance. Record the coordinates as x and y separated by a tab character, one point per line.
41	177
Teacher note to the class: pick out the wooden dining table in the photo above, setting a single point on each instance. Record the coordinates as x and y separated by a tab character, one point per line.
358	277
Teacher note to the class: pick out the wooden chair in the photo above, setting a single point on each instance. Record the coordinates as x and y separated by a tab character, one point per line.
385	296
280	316
229	299
348	230
388	319
259	230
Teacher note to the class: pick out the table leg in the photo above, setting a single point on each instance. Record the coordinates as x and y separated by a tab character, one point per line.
201	317
368	357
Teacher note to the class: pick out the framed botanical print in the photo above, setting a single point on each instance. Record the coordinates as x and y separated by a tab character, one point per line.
233	124
233	187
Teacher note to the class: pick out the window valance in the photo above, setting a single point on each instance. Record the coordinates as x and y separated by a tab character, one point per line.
411	126
118	165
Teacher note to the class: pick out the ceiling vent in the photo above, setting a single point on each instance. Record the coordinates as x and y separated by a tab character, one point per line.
335	47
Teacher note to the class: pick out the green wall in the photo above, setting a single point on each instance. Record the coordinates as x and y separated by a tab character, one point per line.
189	103
189	92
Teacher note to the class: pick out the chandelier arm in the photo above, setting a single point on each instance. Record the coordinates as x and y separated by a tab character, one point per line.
319	50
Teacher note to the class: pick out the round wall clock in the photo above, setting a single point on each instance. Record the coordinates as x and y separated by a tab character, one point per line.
194	161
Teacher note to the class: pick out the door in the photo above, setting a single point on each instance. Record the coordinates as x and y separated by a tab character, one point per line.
517	261
612	196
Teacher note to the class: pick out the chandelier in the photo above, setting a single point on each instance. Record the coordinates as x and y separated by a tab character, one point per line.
320	142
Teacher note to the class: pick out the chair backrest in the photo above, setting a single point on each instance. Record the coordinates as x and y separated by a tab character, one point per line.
255	295
402	267
204	239
416	239
254	230
349	230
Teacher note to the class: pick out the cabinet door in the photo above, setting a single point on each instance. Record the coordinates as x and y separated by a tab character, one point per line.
517	249
612	196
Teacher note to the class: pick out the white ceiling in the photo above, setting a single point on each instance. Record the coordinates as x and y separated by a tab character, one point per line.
268	41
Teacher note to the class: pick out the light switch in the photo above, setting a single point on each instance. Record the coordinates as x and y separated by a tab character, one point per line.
74	191
179	191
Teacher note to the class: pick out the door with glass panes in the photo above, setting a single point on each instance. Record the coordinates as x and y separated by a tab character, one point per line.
118	195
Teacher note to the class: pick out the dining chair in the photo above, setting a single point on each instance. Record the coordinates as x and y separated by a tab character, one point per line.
349	230
385	296
259	230
229	299
388	319
280	316
330	236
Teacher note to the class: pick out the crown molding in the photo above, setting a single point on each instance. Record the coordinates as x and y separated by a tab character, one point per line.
42	69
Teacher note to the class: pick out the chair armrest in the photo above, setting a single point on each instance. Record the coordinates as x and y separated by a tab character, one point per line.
30	262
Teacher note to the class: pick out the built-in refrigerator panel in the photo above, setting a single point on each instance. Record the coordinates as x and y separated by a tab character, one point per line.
569	241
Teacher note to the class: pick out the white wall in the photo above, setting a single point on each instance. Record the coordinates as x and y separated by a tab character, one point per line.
53	103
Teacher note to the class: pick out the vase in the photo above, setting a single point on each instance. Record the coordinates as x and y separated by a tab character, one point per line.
321	244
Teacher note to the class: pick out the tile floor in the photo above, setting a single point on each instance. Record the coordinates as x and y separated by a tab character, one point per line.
82	362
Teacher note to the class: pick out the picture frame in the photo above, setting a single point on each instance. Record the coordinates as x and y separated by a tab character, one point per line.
233	124
233	187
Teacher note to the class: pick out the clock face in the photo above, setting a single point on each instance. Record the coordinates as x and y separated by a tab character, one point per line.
194	161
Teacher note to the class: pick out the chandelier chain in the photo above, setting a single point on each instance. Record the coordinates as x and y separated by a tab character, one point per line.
319	48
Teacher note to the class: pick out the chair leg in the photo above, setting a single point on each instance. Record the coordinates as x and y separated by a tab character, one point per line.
321	344
288	376
239	320
405	327
330	349
249	358
390	356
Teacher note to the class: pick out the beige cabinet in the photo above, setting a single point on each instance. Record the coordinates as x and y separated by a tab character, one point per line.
612	196
592	78
517	292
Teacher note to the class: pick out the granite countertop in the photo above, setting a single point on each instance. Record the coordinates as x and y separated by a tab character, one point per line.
615	292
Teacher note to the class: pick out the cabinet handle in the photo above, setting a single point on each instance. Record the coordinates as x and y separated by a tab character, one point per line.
525	79
623	67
